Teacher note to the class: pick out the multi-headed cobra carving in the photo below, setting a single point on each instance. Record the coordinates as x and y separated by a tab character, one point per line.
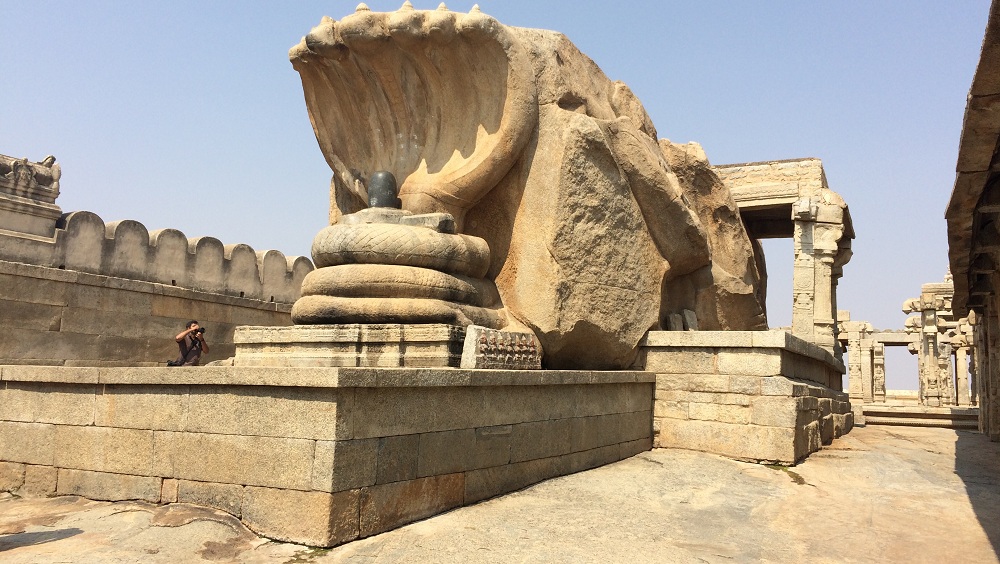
590	236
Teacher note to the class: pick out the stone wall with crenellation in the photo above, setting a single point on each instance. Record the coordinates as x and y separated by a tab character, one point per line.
77	291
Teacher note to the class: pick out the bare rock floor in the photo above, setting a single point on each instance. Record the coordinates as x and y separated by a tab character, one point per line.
880	494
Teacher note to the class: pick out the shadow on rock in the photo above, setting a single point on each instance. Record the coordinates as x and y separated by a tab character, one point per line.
977	463
18	540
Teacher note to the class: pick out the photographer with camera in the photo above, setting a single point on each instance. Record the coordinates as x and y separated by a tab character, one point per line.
192	344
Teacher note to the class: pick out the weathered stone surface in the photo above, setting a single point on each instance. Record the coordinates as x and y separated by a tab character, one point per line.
104	449
344	465
305	413
734	297
259	461
353	345
388	506
142	407
585	460
757	514
111	487
543	439
774	411
31	443
227	497
722	413
745	442
168	491
744	362
489	482
464	449
42	402
593	238
397	458
39	481
11	476
314	518
689	360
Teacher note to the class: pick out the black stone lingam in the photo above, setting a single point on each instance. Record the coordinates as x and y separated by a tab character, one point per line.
382	191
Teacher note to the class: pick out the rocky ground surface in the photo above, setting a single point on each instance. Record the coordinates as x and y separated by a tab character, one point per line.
880	494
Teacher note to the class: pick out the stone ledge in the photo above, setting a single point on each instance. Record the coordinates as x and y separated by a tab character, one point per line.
739	339
320	377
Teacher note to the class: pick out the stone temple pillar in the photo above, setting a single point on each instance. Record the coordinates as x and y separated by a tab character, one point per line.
878	371
988	397
819	259
857	333
930	373
803	272
867	371
962	374
946	383
974	370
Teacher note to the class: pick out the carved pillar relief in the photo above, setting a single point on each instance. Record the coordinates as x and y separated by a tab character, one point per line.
819	258
803	277
930	376
878	372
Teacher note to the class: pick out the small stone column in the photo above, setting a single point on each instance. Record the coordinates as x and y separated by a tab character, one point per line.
962	374
867	371
946	383
824	317
803	271
930	373
988	404
974	372
857	333
878	376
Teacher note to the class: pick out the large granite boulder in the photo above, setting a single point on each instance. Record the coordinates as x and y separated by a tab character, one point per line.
596	231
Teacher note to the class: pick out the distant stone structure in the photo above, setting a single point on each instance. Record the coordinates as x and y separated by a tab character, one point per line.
946	383
28	193
85	293
791	200
944	346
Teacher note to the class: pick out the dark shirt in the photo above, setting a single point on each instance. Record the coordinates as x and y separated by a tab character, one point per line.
190	350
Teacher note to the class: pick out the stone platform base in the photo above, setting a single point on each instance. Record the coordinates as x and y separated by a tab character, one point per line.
317	456
761	396
387	345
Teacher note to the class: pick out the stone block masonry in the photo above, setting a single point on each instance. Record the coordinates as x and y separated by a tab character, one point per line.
82	292
72	318
761	396
318	456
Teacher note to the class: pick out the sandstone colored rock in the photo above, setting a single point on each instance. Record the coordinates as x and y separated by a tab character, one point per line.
593	237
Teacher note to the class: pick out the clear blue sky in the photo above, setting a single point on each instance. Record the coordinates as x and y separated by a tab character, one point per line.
188	114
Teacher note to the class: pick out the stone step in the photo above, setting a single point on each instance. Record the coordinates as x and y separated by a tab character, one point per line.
922	416
923	422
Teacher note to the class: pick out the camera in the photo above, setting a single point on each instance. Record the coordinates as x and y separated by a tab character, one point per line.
199	330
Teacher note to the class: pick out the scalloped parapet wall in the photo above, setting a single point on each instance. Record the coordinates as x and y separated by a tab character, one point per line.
126	249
